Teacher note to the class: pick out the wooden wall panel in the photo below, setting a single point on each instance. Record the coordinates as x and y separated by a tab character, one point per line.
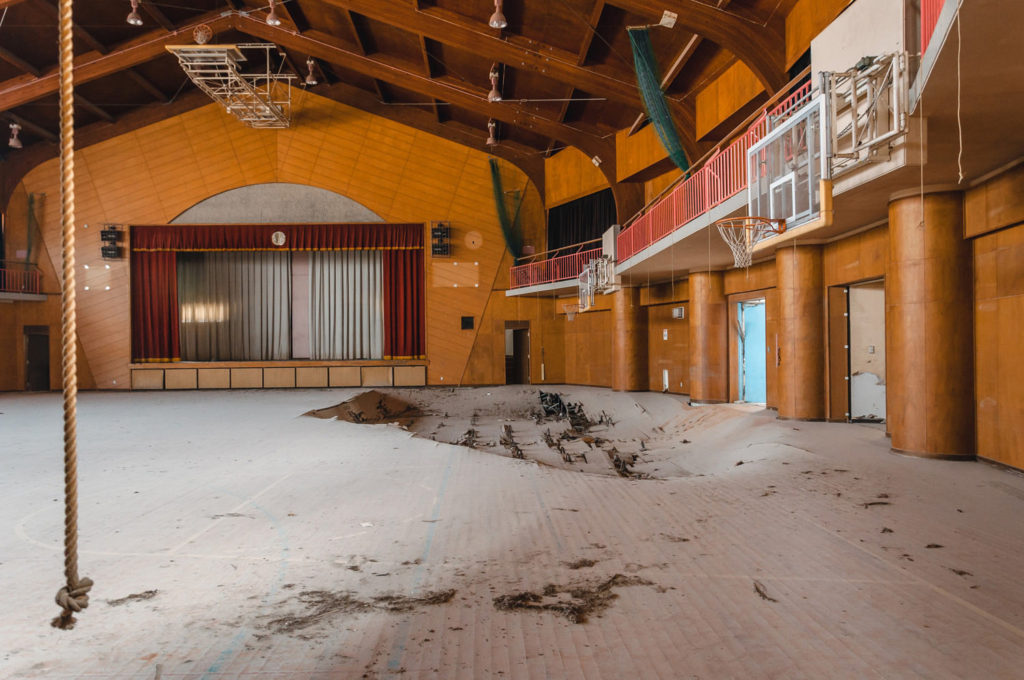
661	293
861	257
151	175
569	175
588	349
999	327
805	21
724	96
636	154
995	204
668	349
755	277
654	187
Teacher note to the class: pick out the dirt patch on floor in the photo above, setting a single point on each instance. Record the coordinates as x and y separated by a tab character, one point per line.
371	407
144	595
574	602
322	605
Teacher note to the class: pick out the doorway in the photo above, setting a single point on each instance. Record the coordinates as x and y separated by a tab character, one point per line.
867	351
517	352
37	358
752	373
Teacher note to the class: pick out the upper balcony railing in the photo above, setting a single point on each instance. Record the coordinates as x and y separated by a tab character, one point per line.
723	176
19	278
558	268
930	10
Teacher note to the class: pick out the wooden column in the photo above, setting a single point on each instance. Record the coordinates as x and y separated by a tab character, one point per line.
801	349
629	341
929	336
709	341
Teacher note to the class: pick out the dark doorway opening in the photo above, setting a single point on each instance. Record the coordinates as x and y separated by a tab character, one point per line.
37	358
517	352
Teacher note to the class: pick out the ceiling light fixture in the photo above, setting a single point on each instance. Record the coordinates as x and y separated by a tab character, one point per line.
310	78
133	18
495	94
492	136
14	142
272	19
497	19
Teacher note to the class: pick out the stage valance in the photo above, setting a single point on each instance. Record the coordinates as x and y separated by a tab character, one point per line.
214	237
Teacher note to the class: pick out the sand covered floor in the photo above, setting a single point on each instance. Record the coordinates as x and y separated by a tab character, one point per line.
232	536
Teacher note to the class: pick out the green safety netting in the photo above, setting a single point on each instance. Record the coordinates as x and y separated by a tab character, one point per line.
649	81
509	225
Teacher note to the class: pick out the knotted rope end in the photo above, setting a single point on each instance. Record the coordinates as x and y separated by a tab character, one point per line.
71	600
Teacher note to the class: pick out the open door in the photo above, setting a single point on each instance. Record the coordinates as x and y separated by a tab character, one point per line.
517	352
838	354
867	351
37	358
752	374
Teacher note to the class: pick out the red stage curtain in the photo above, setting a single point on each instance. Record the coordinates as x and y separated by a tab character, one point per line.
155	307
360	236
403	304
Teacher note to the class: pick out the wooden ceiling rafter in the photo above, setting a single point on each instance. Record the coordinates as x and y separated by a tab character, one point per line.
158	16
34	128
329	48
761	47
19	63
23	89
81	33
146	84
294	12
581	58
361	43
93	108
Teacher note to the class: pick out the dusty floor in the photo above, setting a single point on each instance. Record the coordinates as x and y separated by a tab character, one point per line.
231	537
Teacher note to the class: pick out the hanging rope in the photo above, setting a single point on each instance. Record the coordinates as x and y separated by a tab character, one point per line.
649	82
74	595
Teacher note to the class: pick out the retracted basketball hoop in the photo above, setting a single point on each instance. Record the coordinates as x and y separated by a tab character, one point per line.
743	233
571	311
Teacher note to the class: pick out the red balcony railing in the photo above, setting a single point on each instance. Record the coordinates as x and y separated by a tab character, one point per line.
554	269
20	281
723	176
930	10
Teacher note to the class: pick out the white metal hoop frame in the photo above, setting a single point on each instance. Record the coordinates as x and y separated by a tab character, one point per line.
571	311
741	234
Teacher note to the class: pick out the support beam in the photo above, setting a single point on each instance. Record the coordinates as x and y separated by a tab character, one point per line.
329	48
37	130
82	34
158	16
294	12
738	30
23	89
93	109
16	61
146	85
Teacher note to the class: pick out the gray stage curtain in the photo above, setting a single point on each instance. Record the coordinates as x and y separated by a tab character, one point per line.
235	306
346	305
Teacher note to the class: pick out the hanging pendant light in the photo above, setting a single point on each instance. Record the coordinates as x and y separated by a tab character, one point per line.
310	78
272	19
497	19
492	132
14	142
133	17
495	94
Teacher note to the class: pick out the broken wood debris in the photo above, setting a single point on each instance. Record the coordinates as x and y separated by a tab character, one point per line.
575	603
762	592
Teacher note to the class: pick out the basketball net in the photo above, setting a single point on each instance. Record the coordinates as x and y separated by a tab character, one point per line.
741	234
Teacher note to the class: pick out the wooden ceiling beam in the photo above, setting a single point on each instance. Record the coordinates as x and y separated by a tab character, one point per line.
592	23
34	128
23	89
453	29
324	46
82	34
93	109
761	47
295	13
4	4
147	85
158	16
18	62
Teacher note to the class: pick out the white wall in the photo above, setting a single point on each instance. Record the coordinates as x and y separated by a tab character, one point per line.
277	202
865	28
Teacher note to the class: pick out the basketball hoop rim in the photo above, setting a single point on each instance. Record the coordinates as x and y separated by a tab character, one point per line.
773	225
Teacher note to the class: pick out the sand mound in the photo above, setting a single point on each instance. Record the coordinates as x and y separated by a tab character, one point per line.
371	407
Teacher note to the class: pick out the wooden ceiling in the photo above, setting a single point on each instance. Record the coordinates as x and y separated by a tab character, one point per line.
567	69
